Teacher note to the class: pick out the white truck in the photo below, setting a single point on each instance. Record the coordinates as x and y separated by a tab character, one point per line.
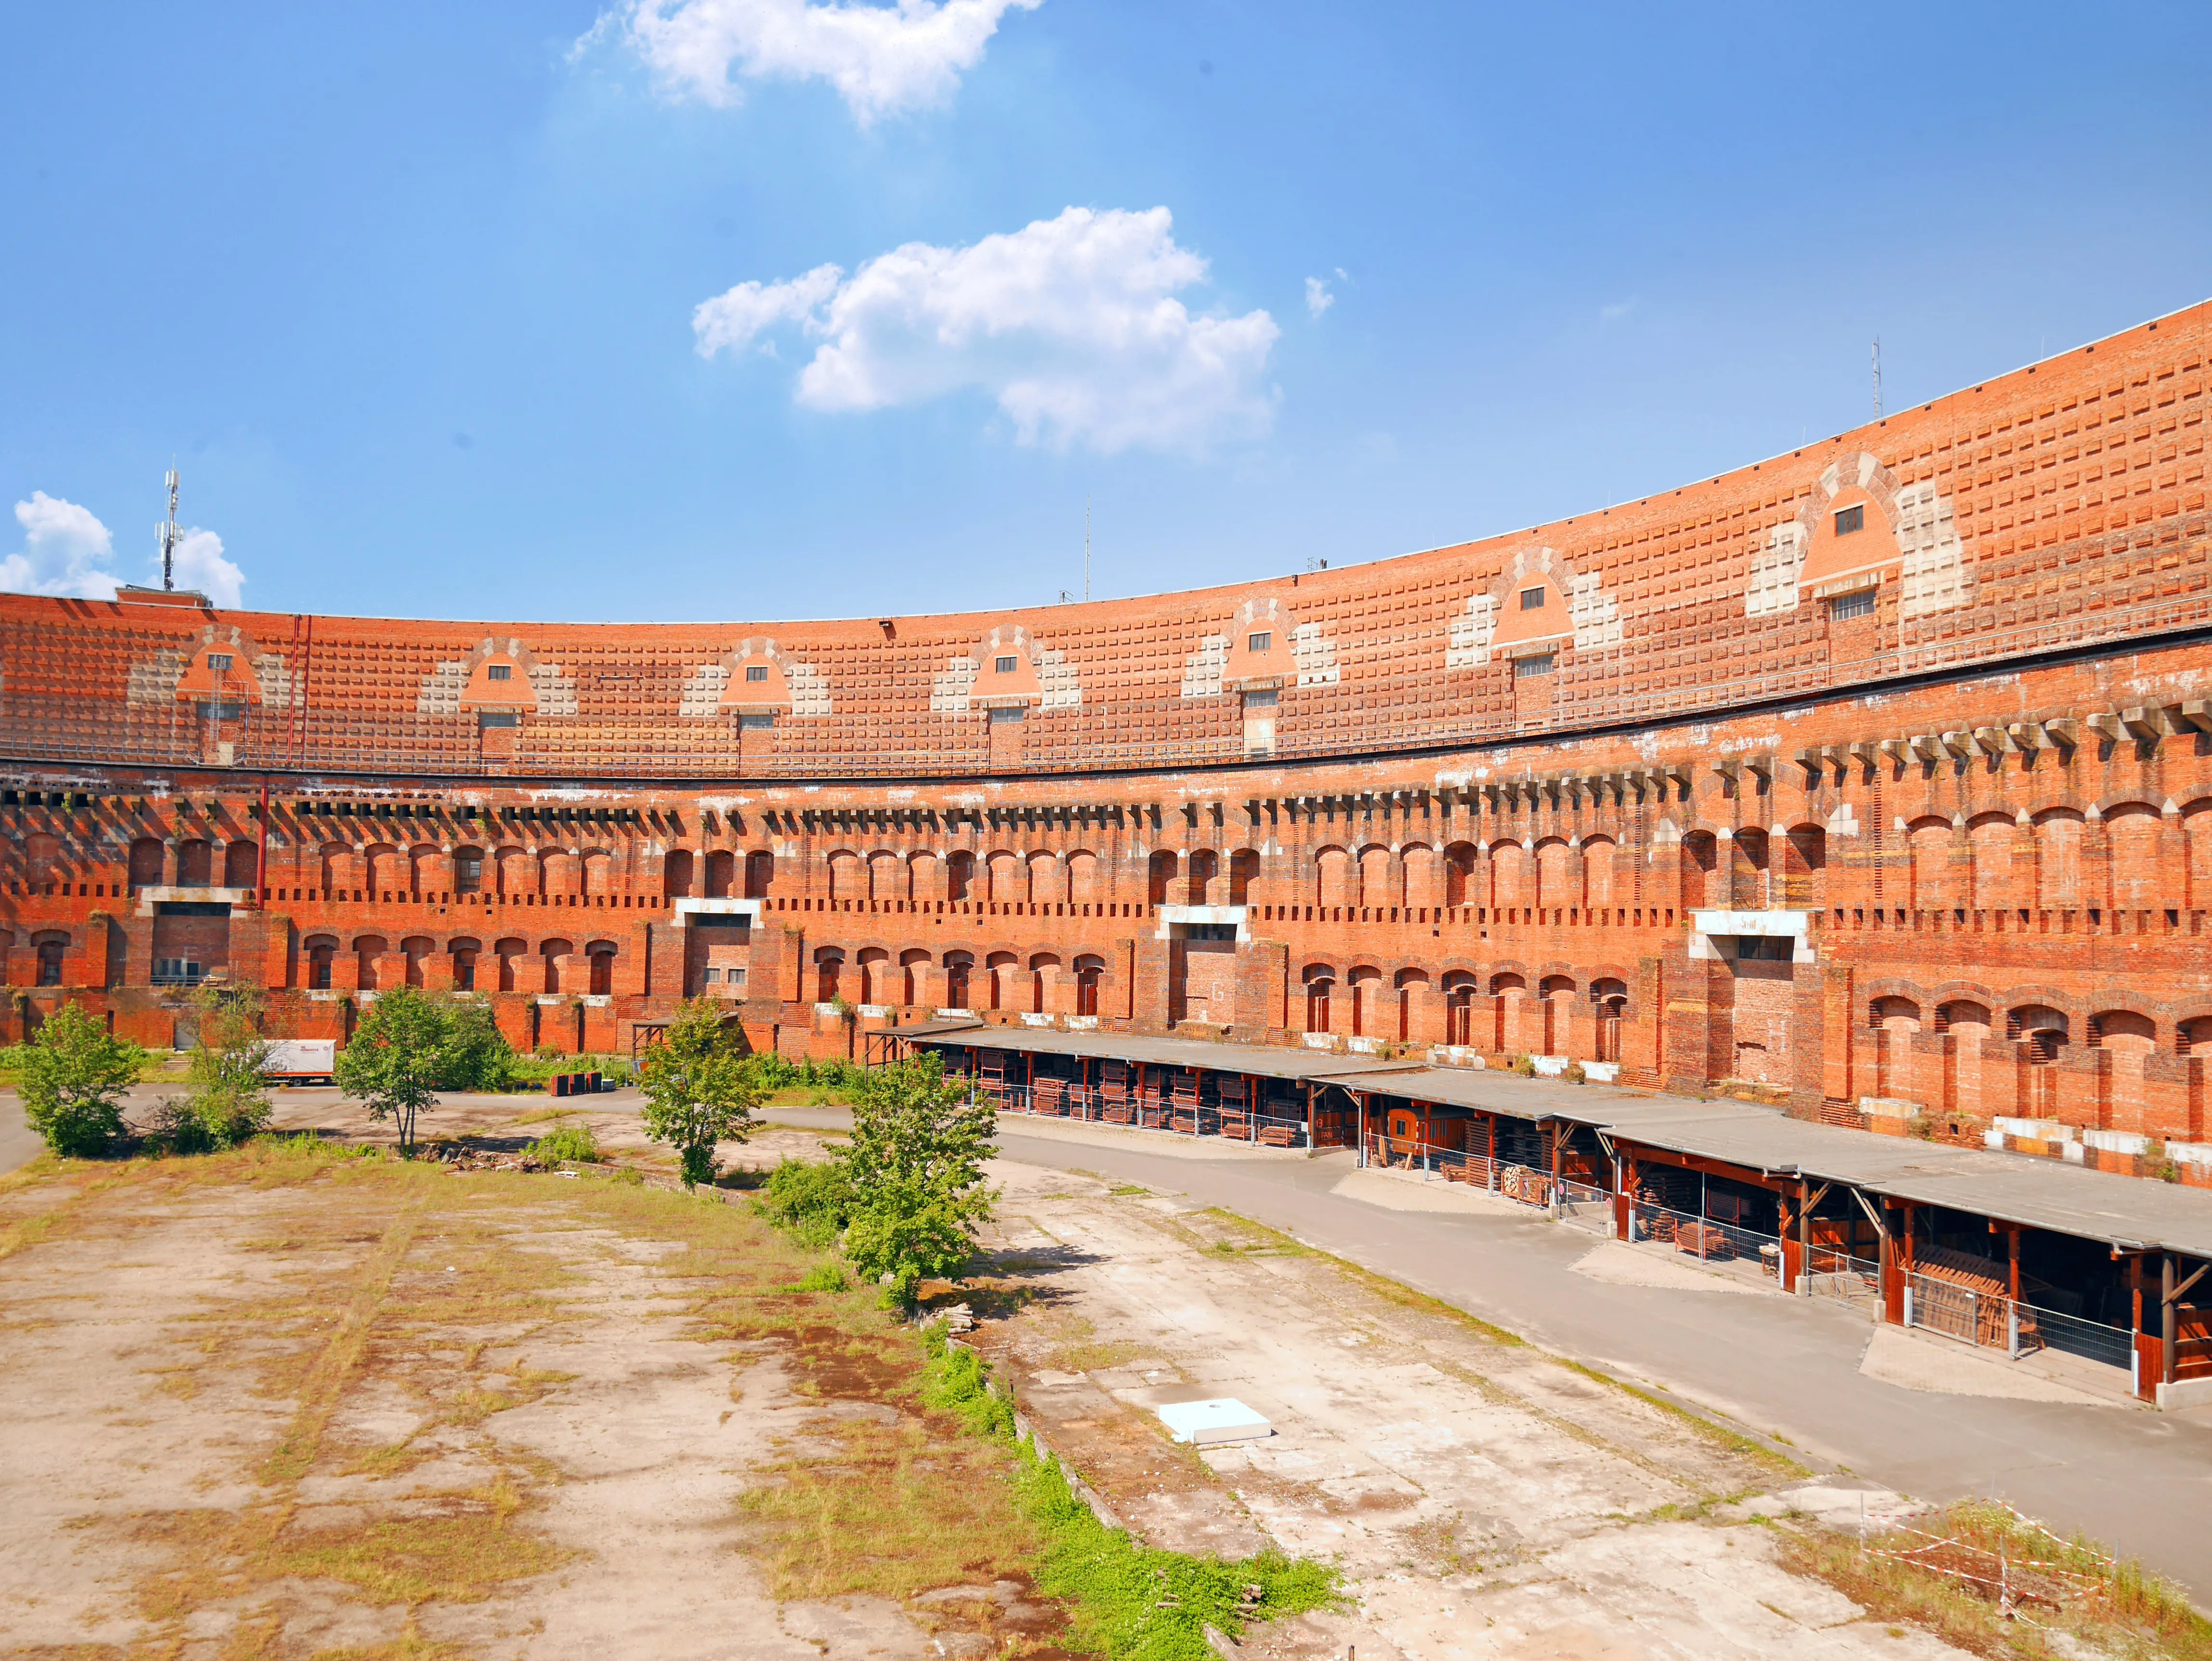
303	1061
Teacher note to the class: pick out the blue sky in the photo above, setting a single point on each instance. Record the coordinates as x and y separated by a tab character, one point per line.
411	294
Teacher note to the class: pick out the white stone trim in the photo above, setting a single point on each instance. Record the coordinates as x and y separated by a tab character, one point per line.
1239	914
722	908
150	897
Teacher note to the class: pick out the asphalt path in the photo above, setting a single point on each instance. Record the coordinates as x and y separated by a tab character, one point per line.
1784	1368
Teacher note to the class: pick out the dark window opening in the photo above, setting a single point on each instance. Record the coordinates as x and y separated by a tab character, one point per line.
1541	665
1843	607
219	662
500	672
756	672
468	872
1005	666
1532	599
500	718
1261	642
1210	931
1849	519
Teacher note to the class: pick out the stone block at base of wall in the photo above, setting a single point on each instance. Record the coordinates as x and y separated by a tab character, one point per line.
2184	1394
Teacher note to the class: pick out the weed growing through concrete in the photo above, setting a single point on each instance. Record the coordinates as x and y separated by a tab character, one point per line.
1134	1602
2129	1612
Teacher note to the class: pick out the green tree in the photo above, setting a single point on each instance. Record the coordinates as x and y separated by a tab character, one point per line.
396	1057
914	1167
71	1079
475	1055
226	1080
698	1089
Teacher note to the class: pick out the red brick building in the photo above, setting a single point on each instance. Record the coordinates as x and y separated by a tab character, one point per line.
1871	776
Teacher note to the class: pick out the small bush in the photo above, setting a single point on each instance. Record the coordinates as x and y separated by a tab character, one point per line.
811	1202
73	1076
1525	1066
567	1142
825	1277
1574	1075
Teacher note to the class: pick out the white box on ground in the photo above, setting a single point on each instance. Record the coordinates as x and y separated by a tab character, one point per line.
302	1058
1225	1418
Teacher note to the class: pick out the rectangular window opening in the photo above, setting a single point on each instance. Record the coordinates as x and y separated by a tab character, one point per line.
1532	599
756	672
1260	643
1843	607
500	672
1543	664
1005	666
1849	519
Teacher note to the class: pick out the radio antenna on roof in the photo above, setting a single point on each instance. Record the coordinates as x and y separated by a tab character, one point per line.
1086	551
169	536
1877	377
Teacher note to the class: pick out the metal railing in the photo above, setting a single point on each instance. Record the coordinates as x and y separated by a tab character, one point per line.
1091	1104
1994	1321
1706	1238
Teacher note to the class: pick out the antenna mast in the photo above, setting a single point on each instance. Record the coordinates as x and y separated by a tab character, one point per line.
169	536
1086	551
1877	377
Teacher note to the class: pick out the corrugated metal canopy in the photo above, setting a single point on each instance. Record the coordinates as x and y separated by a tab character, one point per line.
2090	1204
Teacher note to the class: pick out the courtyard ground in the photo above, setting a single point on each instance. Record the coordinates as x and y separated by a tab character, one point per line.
299	1404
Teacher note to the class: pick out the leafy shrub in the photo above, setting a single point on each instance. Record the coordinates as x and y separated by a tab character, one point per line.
1575	1073
567	1142
1525	1066
73	1076
475	1055
825	1277
812	1202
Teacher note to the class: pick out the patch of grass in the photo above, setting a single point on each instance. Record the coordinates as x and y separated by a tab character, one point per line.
1120	1190
1720	1436
1130	1602
2132	1612
888	1510
460	1556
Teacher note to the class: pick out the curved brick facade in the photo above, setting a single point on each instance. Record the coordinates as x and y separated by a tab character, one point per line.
1880	771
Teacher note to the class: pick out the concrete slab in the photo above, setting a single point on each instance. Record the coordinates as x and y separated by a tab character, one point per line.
1944	1366
1220	1419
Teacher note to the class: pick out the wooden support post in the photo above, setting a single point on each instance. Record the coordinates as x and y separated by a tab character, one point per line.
1624	1204
2167	1313
1555	1168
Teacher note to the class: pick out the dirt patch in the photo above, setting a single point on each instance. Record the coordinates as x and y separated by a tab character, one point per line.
285	1402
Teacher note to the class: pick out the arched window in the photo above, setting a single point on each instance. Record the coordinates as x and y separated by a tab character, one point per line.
1320	980
675	873
956	967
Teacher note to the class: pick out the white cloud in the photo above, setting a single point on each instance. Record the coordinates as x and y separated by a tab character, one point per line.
200	564
1071	323
1615	312
883	60
64	547
732	319
66	550
1318	298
